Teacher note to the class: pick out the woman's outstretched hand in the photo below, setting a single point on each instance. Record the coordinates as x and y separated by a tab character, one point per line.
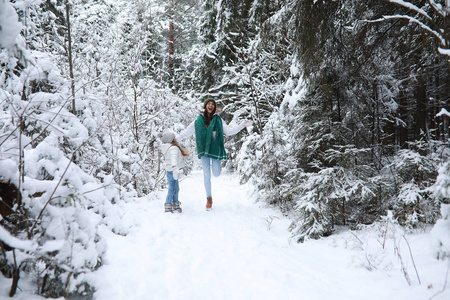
248	123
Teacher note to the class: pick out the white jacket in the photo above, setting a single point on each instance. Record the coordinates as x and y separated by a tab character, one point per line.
172	157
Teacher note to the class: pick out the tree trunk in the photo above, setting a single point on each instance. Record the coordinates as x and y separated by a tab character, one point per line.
171	39
15	277
402	130
420	116
69	53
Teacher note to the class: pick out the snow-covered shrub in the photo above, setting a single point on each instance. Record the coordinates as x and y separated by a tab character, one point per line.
355	188
441	230
375	241
247	156
134	131
414	172
59	163
338	195
269	156
382	245
313	215
269	164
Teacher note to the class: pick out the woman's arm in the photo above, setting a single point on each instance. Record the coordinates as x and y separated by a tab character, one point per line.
231	130
187	132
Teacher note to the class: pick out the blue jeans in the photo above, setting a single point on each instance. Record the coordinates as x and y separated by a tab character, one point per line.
207	162
172	194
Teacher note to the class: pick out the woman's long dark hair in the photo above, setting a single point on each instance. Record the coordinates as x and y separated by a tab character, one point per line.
206	116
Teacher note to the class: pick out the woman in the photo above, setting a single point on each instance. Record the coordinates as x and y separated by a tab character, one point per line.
209	129
173	158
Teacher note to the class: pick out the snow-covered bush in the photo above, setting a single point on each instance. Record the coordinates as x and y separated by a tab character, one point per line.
59	163
267	162
414	172
313	216
134	131
441	230
382	245
339	195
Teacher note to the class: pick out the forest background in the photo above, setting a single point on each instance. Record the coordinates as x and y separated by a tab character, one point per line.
349	99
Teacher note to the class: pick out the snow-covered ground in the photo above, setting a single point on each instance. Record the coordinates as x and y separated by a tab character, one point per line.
243	250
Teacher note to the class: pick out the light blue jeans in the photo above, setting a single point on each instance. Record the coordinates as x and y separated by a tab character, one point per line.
209	163
174	188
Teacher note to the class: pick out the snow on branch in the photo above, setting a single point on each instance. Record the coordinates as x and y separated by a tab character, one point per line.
443	111
444	51
14	242
411	7
10	26
413	20
28	245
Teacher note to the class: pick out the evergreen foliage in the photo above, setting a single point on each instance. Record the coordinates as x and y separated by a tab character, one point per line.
355	114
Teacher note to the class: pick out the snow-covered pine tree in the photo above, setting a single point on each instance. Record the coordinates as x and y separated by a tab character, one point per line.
224	32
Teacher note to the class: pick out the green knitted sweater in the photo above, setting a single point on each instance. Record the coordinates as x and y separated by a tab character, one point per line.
210	139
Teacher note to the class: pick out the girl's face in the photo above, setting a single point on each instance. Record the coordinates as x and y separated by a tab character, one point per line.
210	107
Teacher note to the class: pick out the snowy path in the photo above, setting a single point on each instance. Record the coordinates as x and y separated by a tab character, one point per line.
229	253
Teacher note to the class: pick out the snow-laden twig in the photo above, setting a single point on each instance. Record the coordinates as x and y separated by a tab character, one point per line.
412	259
14	242
269	221
402	264
28	245
411	7
48	124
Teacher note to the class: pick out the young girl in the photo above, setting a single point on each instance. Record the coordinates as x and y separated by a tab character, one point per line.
173	157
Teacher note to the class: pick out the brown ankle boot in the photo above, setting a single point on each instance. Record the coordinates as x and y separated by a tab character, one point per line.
208	203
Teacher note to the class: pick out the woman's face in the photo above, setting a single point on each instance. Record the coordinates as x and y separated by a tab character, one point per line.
210	107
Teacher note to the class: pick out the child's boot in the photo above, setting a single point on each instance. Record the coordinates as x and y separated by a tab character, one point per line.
176	207
168	207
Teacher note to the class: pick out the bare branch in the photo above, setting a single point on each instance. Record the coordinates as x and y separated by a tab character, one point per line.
412	258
